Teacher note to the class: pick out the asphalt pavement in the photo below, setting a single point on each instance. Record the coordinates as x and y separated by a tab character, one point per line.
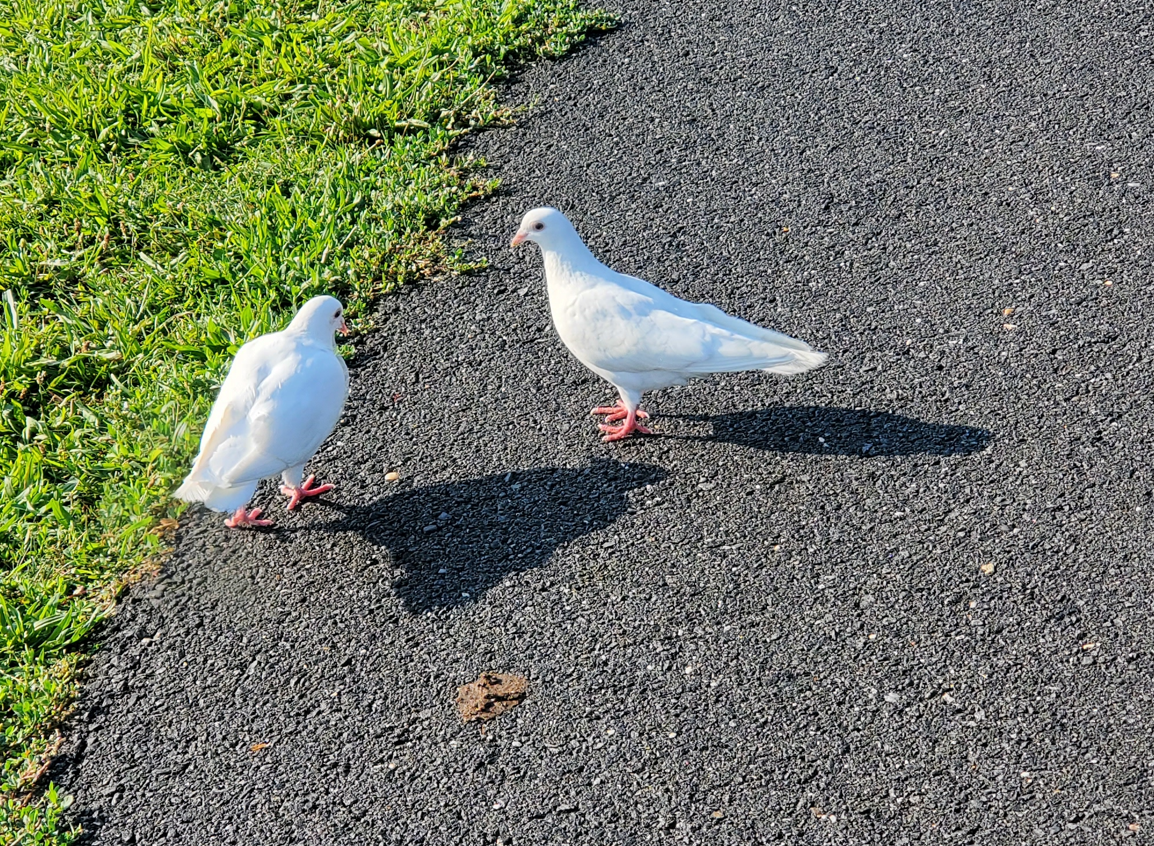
906	598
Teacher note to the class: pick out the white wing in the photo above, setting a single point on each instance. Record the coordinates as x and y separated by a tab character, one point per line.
297	407
239	391
626	325
279	402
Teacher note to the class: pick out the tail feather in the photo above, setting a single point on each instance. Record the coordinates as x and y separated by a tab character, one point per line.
193	490
740	354
712	314
754	347
230	498
800	361
199	483
215	496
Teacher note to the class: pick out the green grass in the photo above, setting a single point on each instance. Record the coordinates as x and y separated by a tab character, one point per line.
175	178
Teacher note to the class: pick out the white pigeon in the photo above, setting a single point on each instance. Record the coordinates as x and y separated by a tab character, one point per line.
282	397
638	337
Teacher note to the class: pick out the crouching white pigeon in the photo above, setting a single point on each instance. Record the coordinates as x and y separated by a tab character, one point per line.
282	397
636	336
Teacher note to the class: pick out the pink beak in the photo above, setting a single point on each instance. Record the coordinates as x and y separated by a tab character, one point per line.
518	239
343	328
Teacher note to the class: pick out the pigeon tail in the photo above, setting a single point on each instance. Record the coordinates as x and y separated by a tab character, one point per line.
743	328
799	362
214	496
198	484
193	490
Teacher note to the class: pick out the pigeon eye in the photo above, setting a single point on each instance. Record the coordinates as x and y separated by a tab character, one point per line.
338	314
538	226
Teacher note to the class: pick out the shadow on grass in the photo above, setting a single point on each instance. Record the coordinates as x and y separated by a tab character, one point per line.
456	540
842	431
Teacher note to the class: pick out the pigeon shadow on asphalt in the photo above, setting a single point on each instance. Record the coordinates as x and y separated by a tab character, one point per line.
817	430
454	541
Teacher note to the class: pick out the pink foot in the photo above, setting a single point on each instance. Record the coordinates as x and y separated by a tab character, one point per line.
619	433
243	518
617	412
306	490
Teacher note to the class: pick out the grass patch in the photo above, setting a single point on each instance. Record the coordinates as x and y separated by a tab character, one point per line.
175	178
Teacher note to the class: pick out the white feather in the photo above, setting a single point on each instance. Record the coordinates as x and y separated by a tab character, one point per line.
282	397
639	337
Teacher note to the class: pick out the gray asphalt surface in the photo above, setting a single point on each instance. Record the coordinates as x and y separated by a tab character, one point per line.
772	622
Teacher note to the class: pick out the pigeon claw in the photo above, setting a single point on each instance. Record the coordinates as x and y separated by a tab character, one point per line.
617	412
306	490
620	433
629	427
242	518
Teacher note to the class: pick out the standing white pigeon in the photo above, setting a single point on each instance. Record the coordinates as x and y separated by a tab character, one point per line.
636	336
282	397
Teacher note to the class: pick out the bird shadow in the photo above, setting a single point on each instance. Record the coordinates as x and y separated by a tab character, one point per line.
454	541
817	430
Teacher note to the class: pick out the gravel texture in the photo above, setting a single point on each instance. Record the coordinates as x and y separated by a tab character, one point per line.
905	598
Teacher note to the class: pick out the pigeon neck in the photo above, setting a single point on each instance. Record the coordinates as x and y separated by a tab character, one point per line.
328	341
320	336
568	257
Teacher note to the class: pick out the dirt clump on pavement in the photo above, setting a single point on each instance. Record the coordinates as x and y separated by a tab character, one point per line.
491	695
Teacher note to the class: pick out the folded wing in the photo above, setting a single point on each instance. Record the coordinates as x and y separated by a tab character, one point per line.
277	405
637	327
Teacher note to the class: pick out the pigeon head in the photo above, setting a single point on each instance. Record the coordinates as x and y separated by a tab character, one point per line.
320	317
547	226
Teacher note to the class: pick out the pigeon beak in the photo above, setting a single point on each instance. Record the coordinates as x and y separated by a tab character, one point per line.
518	239
343	328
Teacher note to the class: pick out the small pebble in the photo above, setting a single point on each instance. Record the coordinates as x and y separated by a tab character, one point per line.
392	477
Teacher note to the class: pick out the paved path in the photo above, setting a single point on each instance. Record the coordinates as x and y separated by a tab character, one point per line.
772	623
